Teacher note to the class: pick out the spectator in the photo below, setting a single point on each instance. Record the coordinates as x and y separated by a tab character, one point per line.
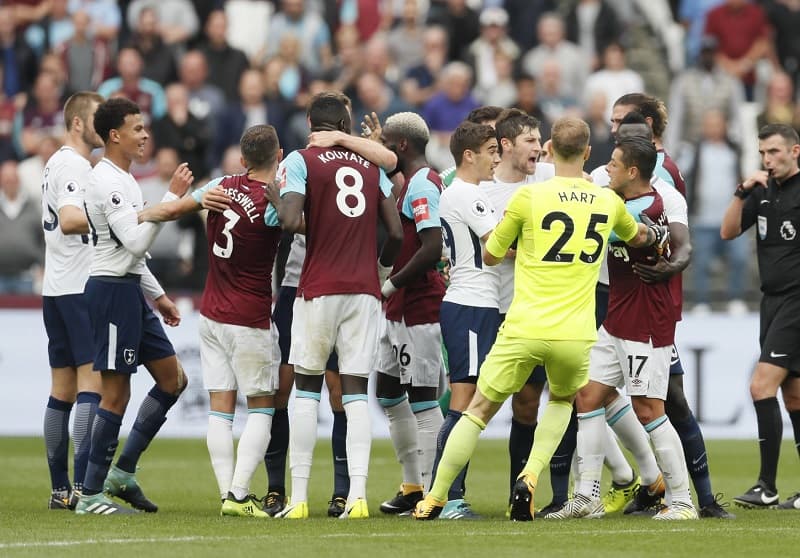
53	64
784	17
348	63
614	80
52	31
231	162
523	16
30	170
18	59
104	16
527	100
462	25
206	101
482	53
419	84
743	34
692	14
184	133
374	95
309	28
158	57
780	106
294	77
554	101
225	63
248	26
9	107
366	15
279	107
697	90
378	59
573	66
41	117
600	130
504	91
146	93
593	25
87	58
21	238
405	40
710	168
177	19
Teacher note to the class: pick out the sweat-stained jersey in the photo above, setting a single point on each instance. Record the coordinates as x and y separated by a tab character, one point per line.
343	192
242	243
419	301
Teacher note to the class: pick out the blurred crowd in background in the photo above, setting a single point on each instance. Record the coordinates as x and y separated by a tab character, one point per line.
204	70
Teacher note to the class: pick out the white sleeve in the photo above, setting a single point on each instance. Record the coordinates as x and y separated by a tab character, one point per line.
150	285
674	203
71	188
123	221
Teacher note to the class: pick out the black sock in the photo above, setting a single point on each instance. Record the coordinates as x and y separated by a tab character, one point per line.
520	441
795	417
770	433
151	417
456	491
694	450
275	458
341	476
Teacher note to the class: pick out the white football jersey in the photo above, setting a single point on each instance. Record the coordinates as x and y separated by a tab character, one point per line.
500	194
114	191
675	207
467	215
294	263
67	257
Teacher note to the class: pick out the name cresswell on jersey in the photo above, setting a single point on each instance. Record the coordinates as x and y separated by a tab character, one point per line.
420	209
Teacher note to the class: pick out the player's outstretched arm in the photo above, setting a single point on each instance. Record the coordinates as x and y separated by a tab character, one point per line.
72	220
169	211
650	235
732	219
371	150
425	258
680	254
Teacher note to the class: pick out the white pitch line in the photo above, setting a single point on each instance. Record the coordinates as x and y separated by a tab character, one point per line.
203	538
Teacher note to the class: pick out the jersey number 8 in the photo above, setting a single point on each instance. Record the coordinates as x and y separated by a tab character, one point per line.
350	191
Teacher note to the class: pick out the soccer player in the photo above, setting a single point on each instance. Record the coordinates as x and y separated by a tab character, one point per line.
68	256
409	366
634	349
770	198
677	408
469	315
126	332
561	227
275	458
238	348
335	196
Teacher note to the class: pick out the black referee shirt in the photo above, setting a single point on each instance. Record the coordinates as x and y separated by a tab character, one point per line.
776	212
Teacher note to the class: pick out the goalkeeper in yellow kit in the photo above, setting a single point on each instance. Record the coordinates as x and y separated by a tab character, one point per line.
561	228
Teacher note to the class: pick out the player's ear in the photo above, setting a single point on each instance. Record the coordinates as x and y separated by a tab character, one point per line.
279	158
587	152
242	162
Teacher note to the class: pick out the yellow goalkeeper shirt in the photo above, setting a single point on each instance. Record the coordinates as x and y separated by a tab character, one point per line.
561	227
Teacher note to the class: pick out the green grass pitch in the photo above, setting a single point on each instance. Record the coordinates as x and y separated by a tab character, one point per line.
177	475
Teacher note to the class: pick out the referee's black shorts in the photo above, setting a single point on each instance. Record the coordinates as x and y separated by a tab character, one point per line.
780	331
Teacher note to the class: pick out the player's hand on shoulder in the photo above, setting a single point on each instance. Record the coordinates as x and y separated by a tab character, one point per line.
169	312
324	138
371	127
182	178
273	190
215	199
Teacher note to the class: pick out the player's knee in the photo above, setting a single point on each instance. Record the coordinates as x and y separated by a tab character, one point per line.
180	383
761	388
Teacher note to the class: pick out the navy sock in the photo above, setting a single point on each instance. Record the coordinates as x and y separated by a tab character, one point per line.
56	442
520	441
694	449
561	462
275	458
795	417
152	414
770	432
458	488
105	436
341	477
85	410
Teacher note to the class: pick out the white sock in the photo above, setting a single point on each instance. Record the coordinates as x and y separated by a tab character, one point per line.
359	442
621	471
626	426
250	451
669	451
429	422
589	448
403	432
219	440
302	438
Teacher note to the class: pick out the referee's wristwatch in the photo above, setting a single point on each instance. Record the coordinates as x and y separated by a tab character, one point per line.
741	192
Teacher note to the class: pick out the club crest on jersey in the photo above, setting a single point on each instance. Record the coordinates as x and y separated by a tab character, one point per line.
129	355
762	227
72	187
115	199
479	208
788	232
420	210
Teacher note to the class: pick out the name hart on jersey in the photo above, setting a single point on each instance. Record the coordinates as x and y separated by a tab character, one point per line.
328	156
581	197
245	202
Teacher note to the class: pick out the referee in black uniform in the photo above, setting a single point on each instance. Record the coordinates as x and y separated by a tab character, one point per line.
770	199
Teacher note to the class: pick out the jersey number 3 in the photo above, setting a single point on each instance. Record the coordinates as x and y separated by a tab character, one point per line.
554	254
231	218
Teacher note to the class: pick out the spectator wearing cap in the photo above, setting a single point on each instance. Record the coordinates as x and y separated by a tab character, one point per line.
492	46
698	89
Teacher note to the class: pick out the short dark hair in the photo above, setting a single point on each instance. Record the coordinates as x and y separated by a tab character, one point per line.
783	130
111	115
634	124
78	105
259	146
650	107
570	137
639	153
470	136
513	122
328	111
484	114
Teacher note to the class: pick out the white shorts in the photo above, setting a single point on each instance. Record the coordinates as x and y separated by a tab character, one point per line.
348	322
640	367
412	354
235	357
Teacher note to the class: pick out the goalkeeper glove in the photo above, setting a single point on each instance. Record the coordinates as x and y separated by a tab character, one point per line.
660	233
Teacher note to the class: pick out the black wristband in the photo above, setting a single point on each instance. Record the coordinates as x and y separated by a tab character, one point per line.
741	192
394	172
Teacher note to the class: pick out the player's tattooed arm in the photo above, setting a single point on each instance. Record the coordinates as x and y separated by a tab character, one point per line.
680	255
